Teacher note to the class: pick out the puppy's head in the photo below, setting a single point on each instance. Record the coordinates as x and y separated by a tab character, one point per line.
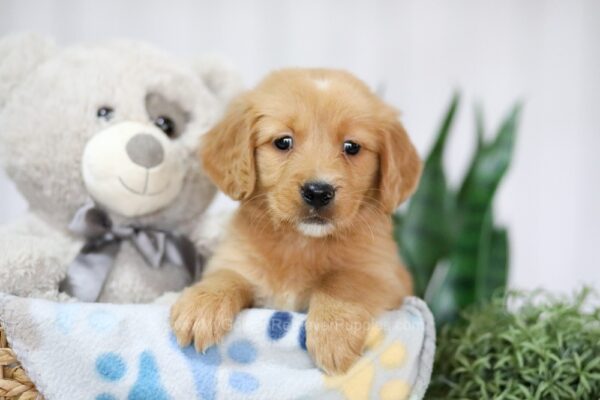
315	147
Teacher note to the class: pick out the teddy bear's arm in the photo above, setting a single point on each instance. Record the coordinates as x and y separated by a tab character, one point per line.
34	258
209	230
206	234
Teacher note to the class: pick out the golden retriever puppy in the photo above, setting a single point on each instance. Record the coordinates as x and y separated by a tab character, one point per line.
318	163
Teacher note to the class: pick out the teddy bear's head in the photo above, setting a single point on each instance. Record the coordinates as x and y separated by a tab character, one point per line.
118	122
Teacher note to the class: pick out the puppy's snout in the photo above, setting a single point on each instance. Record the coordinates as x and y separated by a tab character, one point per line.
145	150
317	194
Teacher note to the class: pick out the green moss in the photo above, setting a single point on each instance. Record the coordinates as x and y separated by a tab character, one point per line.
545	348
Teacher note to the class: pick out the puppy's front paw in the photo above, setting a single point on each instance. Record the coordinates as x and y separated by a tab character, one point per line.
335	336
202	315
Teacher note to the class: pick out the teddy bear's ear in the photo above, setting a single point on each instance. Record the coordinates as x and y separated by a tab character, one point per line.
20	54
220	77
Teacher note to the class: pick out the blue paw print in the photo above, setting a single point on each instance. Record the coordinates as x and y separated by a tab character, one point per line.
148	386
302	336
98	321
279	325
102	321
243	382
204	367
242	351
105	396
111	367
66	313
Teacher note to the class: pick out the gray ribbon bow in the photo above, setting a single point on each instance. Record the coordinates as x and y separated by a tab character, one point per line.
87	273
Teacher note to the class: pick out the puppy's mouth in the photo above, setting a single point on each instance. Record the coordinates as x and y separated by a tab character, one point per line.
315	226
315	220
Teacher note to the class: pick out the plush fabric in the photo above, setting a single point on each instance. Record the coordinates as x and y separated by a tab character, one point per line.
85	122
108	352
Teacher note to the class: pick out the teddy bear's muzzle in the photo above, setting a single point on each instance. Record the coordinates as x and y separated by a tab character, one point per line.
132	169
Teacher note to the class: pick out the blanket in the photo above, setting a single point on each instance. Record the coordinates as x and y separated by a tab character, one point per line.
94	351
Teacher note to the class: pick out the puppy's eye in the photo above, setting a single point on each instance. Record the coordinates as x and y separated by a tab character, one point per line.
105	113
284	143
351	148
166	124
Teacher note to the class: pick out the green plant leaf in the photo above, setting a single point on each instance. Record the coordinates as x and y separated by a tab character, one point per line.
425	233
492	267
489	163
459	287
479	127
440	296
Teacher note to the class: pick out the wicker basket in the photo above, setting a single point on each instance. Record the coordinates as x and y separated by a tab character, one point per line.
14	382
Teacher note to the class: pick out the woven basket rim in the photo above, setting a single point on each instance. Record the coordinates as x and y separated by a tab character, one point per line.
15	384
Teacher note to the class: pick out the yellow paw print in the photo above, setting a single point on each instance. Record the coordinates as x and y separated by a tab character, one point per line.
356	384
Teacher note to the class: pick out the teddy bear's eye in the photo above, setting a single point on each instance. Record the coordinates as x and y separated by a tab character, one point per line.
166	124
105	113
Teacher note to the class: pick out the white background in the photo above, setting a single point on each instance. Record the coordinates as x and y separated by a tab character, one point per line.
545	53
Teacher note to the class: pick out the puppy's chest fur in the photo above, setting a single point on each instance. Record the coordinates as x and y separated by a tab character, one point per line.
284	267
287	271
287	268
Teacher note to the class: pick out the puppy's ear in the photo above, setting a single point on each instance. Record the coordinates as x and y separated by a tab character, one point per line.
400	166
227	151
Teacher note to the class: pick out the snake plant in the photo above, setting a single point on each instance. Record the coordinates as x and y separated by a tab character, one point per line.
447	236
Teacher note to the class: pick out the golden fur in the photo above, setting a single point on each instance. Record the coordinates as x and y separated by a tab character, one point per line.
344	278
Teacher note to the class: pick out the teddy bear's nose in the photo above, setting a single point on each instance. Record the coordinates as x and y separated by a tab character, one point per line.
145	150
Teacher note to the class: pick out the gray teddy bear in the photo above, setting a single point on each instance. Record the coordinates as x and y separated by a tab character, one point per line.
102	142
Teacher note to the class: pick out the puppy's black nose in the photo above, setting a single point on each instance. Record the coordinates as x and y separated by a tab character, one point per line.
317	194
